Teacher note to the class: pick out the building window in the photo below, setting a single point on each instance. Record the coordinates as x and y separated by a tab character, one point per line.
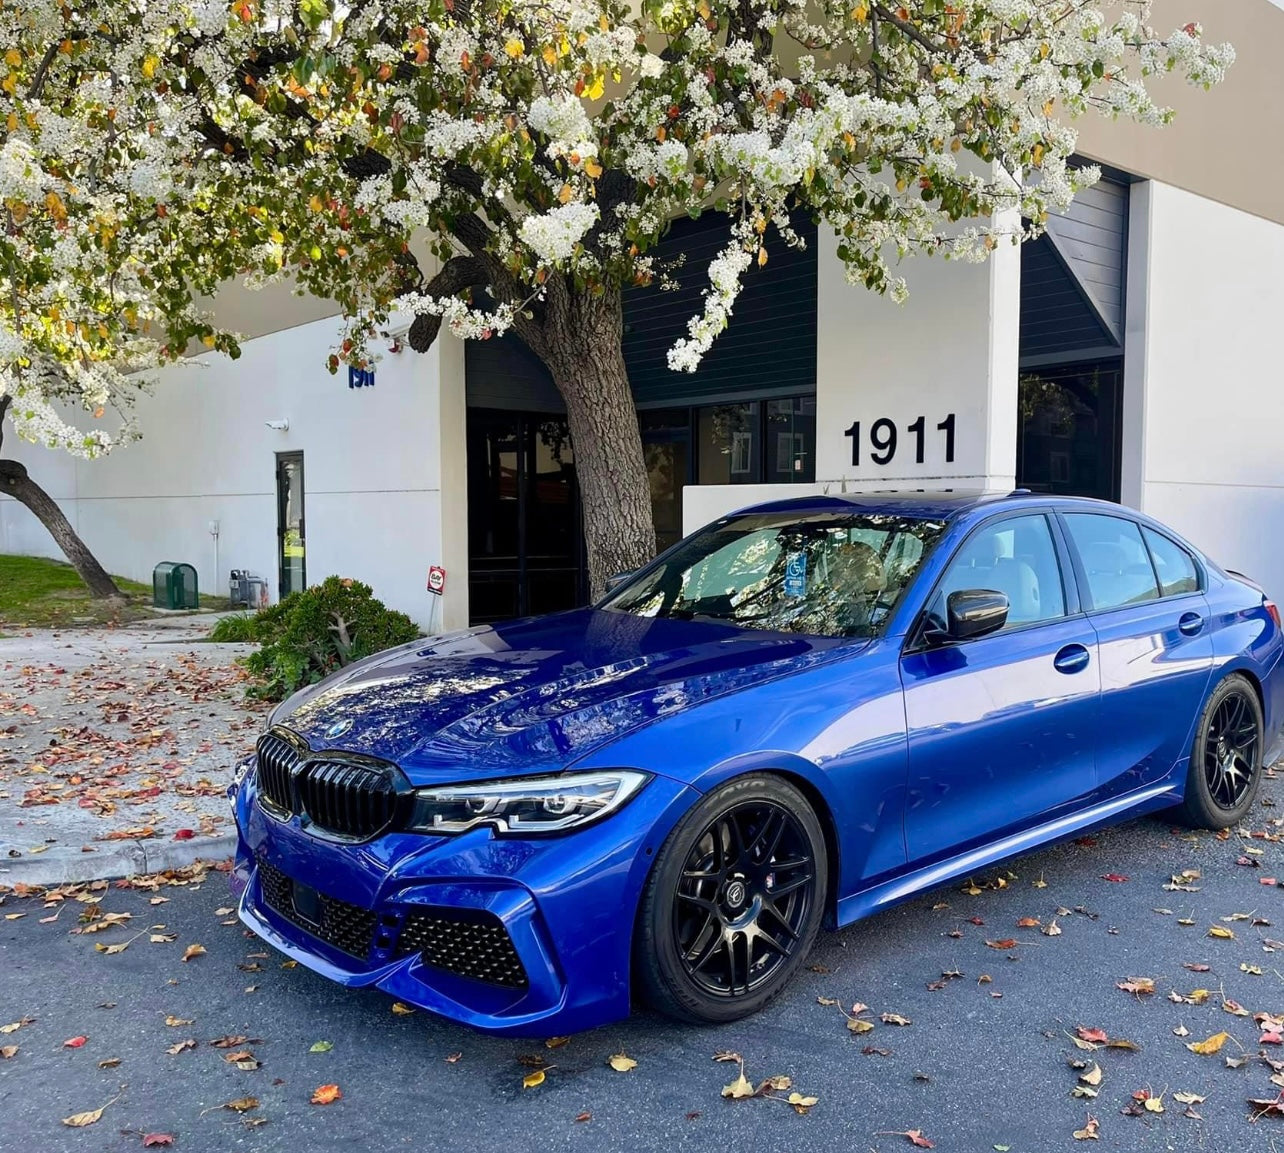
1069	435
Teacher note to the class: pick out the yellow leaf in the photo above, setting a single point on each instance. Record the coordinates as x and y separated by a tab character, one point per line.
1092	1076
593	168
174	1022
595	87
13	58
1044	49
241	1104
740	1087
1154	1104
1209	1046
10	83
762	257
856	1025
1221	933
565	193
401	1009
621	1063
860	13
80	1120
1089	1131
149	66
800	1103
550	55
533	1078
514	48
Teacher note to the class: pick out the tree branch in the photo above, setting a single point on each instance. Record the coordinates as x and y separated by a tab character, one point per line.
907	29
458	273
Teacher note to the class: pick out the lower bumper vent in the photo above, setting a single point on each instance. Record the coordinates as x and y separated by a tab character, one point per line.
469	943
348	928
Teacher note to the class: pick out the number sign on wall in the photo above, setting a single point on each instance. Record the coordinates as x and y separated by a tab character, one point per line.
879	440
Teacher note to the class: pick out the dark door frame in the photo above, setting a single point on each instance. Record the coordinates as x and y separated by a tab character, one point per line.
281	497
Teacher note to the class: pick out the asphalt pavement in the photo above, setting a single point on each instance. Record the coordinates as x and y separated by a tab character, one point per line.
985	1063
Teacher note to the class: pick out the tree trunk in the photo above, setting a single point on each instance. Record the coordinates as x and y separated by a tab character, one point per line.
582	337
15	482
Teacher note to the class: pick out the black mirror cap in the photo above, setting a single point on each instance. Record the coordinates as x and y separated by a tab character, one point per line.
975	613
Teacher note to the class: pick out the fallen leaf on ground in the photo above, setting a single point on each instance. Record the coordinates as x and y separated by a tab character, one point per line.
1098	1035
726	1055
321	1046
1117	878
1139	986
326	1095
586	1116
1028	923
622	1063
1189	1098
740	1087
801	1103
151	1140
16	1025
453	1058
176	1021
182	1046
80	1120
1006	943
193	951
556	1042
74	1042
533	1079
915	1136
1209	1046
1221	933
895	1019
402	1009
1092	1076
858	1026
1051	929
1268	1108
7	1051
1089	1131
1195	967
109	1063
241	1104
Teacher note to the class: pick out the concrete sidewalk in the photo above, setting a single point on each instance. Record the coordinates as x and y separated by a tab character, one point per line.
116	746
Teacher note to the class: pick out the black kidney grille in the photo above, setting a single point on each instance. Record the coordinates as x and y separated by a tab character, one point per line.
348	928
470	943
277	759
349	799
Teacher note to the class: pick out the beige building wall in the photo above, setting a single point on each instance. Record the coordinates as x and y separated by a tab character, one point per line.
1224	144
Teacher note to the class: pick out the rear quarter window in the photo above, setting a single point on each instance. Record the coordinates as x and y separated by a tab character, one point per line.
1176	567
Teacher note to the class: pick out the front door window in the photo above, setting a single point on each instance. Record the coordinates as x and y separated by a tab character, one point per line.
291	550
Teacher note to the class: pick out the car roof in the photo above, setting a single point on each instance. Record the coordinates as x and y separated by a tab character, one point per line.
946	505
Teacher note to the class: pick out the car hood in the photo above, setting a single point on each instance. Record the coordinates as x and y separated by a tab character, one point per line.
535	695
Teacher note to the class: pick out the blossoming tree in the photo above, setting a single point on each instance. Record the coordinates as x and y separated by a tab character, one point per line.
541	147
114	222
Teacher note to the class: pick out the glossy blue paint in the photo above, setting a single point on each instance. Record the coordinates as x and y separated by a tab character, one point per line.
926	763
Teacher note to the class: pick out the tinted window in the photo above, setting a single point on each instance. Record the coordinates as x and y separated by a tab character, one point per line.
830	574
1176	567
1114	559
1015	557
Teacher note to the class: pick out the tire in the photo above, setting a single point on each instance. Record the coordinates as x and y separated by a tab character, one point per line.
733	902
1226	759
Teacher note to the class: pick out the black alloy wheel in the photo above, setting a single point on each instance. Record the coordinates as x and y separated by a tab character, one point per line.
1226	762
734	902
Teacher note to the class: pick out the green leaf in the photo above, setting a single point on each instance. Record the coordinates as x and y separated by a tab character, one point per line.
321	1046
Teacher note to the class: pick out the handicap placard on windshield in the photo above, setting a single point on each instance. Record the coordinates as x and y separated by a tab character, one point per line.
796	575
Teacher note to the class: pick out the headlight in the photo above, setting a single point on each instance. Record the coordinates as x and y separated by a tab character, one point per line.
535	805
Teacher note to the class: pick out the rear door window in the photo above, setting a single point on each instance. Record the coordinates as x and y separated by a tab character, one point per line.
1114	558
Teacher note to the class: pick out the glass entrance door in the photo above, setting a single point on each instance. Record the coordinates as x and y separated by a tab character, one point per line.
666	447
525	551
291	550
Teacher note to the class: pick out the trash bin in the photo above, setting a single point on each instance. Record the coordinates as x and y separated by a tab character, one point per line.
174	586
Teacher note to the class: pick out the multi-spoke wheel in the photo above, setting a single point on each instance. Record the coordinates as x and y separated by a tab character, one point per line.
734	901
1226	762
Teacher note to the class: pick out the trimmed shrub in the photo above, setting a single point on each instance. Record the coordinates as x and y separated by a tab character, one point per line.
312	633
238	629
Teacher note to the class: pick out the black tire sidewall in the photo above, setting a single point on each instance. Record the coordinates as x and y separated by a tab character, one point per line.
1199	808
662	978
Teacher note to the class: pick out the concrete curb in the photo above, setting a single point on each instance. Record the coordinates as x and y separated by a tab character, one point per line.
121	859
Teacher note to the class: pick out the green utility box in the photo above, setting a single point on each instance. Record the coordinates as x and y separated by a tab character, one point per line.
174	586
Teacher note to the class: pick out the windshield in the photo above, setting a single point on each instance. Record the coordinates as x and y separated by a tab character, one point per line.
827	574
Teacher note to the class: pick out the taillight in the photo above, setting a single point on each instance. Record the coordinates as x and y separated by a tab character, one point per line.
1275	613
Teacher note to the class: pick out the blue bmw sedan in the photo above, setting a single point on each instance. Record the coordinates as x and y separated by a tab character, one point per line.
804	713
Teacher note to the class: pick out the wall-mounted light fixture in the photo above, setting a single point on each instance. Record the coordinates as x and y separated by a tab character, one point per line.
278	425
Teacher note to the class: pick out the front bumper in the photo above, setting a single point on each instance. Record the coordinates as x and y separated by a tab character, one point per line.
524	936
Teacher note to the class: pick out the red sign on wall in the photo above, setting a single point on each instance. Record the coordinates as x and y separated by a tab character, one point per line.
437	579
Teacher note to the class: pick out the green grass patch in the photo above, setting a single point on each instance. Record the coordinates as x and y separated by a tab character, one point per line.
39	593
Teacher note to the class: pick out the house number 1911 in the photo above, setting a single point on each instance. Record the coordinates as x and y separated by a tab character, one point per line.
883	438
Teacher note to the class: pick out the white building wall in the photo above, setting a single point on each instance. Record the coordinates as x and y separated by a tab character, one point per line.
374	463
950	350
1204	394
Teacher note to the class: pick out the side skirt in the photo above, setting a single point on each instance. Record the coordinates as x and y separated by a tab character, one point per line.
906	885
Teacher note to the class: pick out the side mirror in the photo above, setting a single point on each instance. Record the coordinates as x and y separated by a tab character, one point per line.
615	580
974	613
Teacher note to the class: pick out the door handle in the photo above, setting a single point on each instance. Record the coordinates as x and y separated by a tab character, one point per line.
1071	659
1190	624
